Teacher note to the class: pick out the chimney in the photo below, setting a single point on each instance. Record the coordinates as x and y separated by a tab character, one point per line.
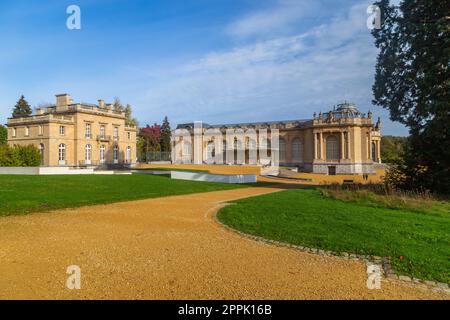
109	106
101	104
63	100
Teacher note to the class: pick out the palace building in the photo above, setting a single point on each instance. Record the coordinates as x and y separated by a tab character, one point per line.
341	141
76	134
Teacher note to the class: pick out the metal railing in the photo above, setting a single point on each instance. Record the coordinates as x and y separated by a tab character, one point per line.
101	137
156	156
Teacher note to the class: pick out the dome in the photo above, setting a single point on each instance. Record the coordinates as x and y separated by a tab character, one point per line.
346	106
347	110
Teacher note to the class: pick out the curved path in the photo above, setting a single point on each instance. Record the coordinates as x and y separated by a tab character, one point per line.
168	248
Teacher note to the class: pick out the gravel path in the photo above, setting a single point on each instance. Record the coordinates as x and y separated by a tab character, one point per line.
168	248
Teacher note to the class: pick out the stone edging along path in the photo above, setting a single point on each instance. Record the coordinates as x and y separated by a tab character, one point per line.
383	262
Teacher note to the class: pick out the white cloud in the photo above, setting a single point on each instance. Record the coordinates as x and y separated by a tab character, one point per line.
272	20
287	77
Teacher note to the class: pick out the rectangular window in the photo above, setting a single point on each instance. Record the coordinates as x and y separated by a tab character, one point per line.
41	130
116	154
62	130
27	131
102	131
14	132
129	135
88	130
116	133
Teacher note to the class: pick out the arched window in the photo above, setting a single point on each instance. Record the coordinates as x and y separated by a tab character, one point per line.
251	156
62	153
251	144
186	148
102	153
374	152
88	154
128	154
210	152
267	145
116	154
297	150
41	152
332	148
238	151
282	150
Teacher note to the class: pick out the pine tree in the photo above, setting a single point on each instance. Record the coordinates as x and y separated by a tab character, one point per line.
412	81
130	121
22	108
117	105
166	133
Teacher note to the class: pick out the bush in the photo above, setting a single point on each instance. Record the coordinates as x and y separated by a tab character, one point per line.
19	156
3	135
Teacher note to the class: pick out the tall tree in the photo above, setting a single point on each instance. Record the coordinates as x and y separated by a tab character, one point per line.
412	81
3	135
130	121
22	108
392	148
152	136
166	133
117	105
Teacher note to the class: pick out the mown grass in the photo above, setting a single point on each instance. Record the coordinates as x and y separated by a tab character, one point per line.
25	194
171	169
418	243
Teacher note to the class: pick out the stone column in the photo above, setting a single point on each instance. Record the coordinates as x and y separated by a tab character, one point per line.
348	145
197	146
315	146
321	155
342	145
379	151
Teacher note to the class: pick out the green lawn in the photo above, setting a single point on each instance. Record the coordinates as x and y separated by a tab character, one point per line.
418	243
170	169
25	194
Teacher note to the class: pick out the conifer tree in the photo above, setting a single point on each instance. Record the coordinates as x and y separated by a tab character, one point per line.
412	81
22	108
165	135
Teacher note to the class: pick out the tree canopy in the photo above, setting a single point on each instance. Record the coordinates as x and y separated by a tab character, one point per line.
166	133
22	108
392	148
412	81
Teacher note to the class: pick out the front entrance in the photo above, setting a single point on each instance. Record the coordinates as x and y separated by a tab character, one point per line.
332	170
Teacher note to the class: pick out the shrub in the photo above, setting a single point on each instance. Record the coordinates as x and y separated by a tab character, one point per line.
3	135
5	156
19	156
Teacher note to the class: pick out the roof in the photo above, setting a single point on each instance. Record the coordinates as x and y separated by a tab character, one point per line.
243	124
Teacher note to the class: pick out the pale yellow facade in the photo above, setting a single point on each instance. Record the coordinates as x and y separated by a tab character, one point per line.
342	141
76	134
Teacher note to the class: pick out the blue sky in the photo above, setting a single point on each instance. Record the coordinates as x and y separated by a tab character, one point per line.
218	61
